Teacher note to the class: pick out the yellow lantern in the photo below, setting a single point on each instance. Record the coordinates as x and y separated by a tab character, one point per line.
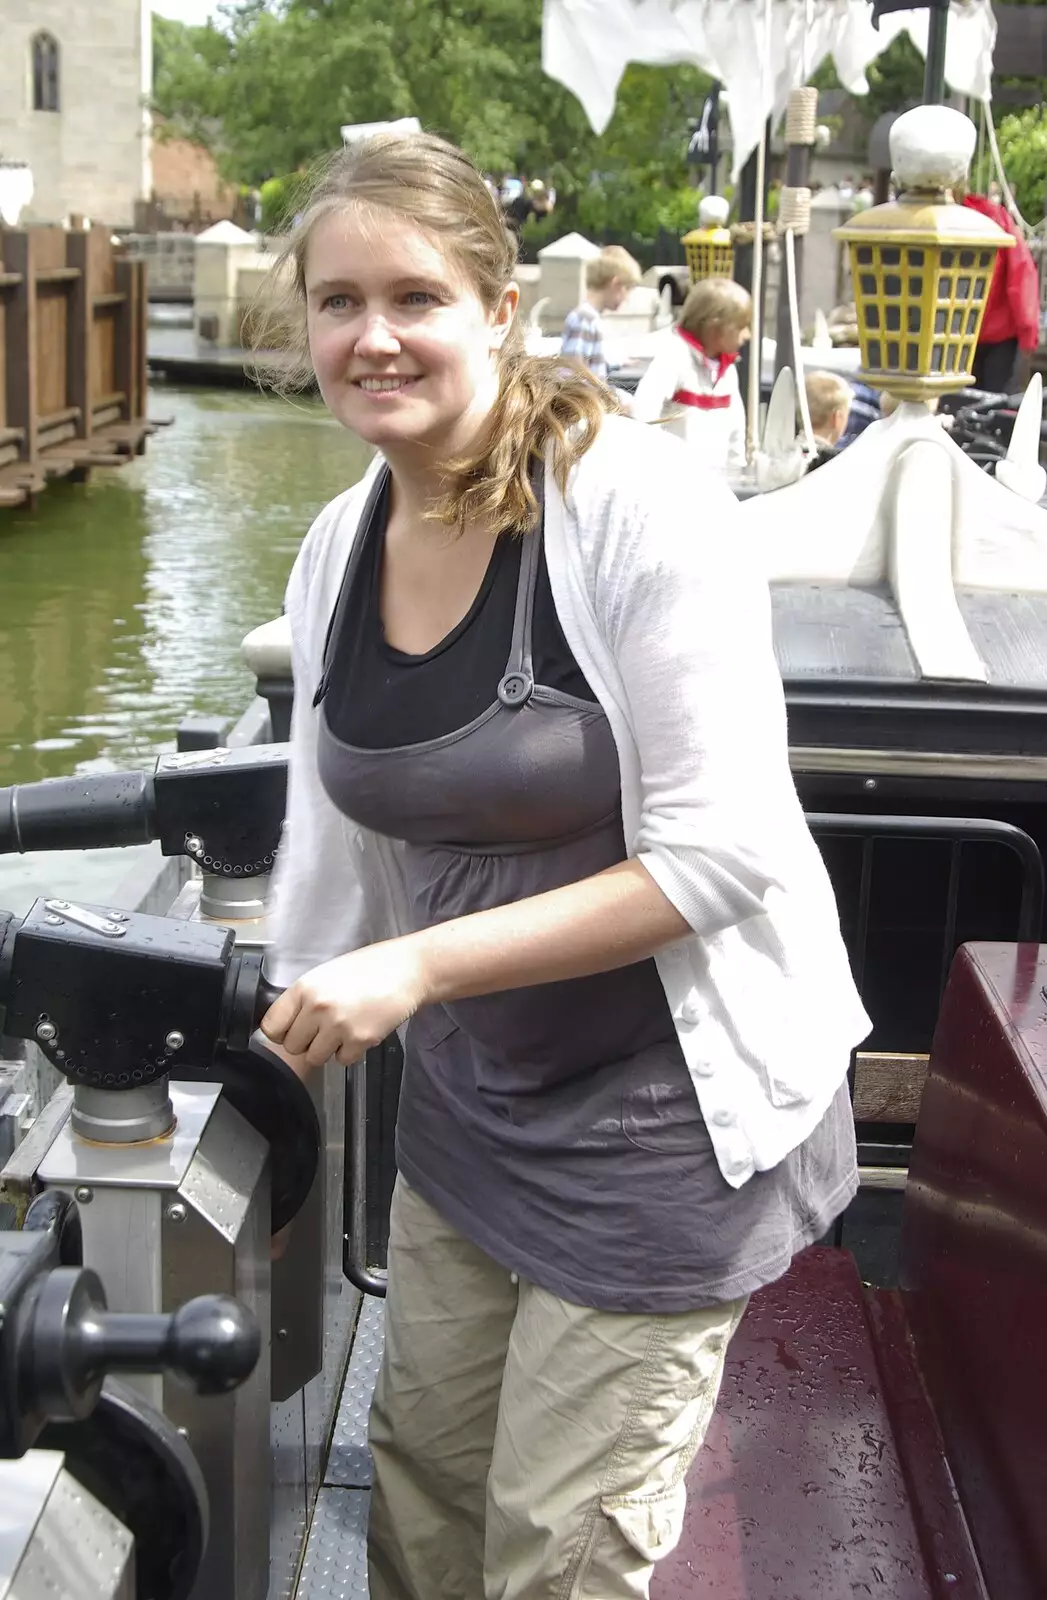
708	248
921	265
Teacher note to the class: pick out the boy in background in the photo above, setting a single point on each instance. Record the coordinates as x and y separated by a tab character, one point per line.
829	400
692	383
608	279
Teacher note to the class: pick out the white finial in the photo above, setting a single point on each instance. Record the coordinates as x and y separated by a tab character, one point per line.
1020	471
821	339
932	147
713	211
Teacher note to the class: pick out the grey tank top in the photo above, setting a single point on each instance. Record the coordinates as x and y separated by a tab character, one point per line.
556	1126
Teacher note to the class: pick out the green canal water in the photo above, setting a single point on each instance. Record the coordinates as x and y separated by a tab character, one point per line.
123	602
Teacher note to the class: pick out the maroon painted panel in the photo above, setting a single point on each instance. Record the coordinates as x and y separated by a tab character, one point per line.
798	1493
974	1254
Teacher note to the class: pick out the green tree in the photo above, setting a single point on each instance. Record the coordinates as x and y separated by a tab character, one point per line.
1022	138
269	90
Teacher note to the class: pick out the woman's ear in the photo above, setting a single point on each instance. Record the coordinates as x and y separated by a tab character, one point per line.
505	312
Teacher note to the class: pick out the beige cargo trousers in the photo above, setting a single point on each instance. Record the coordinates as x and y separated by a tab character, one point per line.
526	1448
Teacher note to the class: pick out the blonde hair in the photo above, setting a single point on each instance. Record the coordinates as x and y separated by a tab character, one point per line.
542	401
827	393
715	303
612	263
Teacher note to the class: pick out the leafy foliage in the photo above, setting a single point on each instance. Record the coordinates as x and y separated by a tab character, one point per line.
1022	138
269	89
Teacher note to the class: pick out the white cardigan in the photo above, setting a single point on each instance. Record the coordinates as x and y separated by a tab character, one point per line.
712	423
668	616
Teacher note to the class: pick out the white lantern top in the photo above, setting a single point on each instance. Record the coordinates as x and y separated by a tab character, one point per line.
932	147
713	211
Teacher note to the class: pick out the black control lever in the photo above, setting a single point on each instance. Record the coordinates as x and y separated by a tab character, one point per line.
58	1341
118	1001
222	808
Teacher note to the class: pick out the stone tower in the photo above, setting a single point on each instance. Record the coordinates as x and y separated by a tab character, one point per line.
74	79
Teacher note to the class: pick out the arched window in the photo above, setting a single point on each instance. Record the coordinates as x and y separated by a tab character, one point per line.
45	72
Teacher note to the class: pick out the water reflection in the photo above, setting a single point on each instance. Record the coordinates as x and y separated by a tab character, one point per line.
123	603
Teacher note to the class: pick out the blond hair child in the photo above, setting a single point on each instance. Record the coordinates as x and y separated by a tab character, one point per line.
608	279
829	400
692	385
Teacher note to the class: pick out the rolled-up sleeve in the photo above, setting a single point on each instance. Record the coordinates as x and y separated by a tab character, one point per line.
687	614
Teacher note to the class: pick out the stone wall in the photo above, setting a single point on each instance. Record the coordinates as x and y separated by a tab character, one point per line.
91	156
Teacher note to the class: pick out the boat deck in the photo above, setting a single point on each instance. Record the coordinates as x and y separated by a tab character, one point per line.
335	1563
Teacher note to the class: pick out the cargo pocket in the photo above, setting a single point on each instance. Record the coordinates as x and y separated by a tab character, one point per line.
650	1523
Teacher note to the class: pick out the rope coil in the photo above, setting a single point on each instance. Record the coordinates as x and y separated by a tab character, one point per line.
794	210
801	116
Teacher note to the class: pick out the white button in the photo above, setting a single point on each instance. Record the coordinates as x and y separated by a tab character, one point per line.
514	1277
690	1011
724	1118
703	1069
739	1165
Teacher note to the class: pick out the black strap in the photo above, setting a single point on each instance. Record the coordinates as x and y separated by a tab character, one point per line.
363	530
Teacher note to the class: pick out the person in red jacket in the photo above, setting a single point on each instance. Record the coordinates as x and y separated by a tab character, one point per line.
1012	313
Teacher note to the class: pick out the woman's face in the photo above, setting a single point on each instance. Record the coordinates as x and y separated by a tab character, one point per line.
403	349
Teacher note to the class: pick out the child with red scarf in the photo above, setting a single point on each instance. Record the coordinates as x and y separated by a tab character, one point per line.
692	383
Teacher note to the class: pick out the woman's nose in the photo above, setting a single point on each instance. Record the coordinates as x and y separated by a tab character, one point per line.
377	338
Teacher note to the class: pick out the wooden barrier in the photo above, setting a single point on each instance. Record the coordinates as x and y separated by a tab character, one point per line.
72	357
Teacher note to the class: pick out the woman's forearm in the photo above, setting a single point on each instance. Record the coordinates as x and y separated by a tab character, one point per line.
607	921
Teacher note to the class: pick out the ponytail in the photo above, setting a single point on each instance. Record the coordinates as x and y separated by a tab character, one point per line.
543	402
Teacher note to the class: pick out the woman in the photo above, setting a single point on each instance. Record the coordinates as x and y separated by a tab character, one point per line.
540	805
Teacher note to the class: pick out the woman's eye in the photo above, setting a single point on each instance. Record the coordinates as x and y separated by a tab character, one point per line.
420	298
335	302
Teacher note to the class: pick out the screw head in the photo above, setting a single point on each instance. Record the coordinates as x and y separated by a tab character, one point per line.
55	922
174	1040
46	1032
183	1433
194	845
870	783
119	916
60	905
176	1212
83	1195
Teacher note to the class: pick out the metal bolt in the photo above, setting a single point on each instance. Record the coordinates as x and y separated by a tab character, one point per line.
870	783
194	845
46	1031
183	1433
60	905
113	927
174	1040
83	1196
119	916
177	1212
281	1333
56	922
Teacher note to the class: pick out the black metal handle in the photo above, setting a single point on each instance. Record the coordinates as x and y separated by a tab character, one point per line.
109	808
70	1342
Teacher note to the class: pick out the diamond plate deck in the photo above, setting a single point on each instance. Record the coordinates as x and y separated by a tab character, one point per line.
349	1464
335	1565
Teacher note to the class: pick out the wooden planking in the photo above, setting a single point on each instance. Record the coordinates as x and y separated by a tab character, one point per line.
20	337
888	1087
79	347
103	355
52	344
72	356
